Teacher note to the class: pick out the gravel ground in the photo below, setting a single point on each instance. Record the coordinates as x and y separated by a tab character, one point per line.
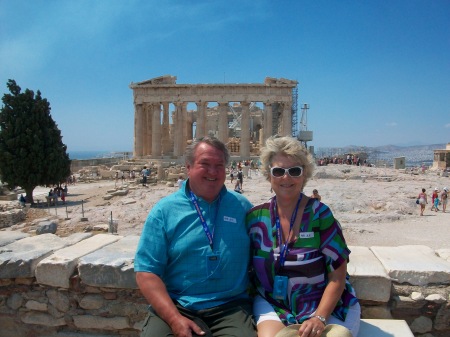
381	211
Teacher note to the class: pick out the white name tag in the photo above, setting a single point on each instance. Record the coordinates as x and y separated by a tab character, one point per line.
228	219
307	235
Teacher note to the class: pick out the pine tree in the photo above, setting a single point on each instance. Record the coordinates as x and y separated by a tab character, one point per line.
31	149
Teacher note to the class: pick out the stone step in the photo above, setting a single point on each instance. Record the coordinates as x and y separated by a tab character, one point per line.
384	328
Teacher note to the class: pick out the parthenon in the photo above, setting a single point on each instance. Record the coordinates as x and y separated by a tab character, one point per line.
241	115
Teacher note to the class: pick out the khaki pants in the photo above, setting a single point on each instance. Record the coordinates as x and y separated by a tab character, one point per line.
233	319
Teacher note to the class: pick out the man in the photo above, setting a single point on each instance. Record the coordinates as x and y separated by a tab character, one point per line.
144	174
192	259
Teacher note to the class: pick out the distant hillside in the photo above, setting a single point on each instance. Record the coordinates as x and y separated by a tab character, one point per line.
391	148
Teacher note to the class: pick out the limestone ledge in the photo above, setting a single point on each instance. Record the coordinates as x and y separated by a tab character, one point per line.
55	286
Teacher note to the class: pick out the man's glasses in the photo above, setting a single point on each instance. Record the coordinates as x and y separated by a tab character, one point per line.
279	172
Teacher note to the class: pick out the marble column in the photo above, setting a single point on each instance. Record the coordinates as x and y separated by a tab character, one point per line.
156	130
287	119
245	130
137	130
201	120
184	127
165	130
147	129
268	115
178	133
223	122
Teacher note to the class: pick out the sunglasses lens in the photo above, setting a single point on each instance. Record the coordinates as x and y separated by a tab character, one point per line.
278	171
295	171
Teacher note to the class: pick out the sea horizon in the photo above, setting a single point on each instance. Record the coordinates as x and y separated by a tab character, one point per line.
91	154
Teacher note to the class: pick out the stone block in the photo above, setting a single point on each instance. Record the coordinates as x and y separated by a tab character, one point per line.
46	227
112	266
384	328
413	264
57	269
20	258
8	237
106	323
41	318
368	276
444	253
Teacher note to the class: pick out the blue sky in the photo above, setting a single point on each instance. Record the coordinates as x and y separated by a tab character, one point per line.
373	72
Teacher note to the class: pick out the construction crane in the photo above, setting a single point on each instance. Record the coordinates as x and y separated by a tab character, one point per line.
304	135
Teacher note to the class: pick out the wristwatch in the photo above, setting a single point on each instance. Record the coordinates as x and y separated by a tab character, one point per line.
321	318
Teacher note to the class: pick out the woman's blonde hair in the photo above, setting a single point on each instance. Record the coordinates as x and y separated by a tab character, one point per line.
289	147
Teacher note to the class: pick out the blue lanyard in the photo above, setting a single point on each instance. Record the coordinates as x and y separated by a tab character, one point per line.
208	233
284	248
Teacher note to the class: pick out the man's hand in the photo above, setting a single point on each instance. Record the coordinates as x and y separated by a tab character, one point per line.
184	327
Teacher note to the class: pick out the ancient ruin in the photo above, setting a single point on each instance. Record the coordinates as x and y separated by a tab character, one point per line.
241	115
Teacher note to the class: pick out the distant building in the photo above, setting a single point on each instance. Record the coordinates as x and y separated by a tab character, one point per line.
441	159
399	163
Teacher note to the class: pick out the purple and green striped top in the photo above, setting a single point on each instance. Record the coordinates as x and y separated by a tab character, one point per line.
319	249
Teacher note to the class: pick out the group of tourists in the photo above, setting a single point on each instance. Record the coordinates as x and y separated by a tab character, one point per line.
437	199
348	160
58	192
210	263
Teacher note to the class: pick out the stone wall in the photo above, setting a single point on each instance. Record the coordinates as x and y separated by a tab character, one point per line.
84	285
10	215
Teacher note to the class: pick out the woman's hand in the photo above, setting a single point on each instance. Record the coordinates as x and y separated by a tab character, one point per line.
313	327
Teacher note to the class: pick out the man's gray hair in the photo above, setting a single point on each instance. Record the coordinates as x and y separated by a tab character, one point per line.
214	142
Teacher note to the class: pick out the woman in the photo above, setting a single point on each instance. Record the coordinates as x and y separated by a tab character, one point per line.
444	199
422	200
304	281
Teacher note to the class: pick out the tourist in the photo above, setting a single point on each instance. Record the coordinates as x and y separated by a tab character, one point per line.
232	174
422	200
444	199
22	200
311	289
316	195
237	187
63	197
192	258
144	174
436	203
240	178
433	197
180	181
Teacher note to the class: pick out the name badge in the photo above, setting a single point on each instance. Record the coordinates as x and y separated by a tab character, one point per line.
280	284
228	219
307	235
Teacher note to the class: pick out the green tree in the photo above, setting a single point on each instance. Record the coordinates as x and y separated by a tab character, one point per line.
31	149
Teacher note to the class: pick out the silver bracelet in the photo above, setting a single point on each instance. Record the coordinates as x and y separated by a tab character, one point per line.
321	318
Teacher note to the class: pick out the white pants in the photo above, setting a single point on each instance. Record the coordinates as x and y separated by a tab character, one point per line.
263	311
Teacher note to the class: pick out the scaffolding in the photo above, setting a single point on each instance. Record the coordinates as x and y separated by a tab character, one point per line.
294	112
